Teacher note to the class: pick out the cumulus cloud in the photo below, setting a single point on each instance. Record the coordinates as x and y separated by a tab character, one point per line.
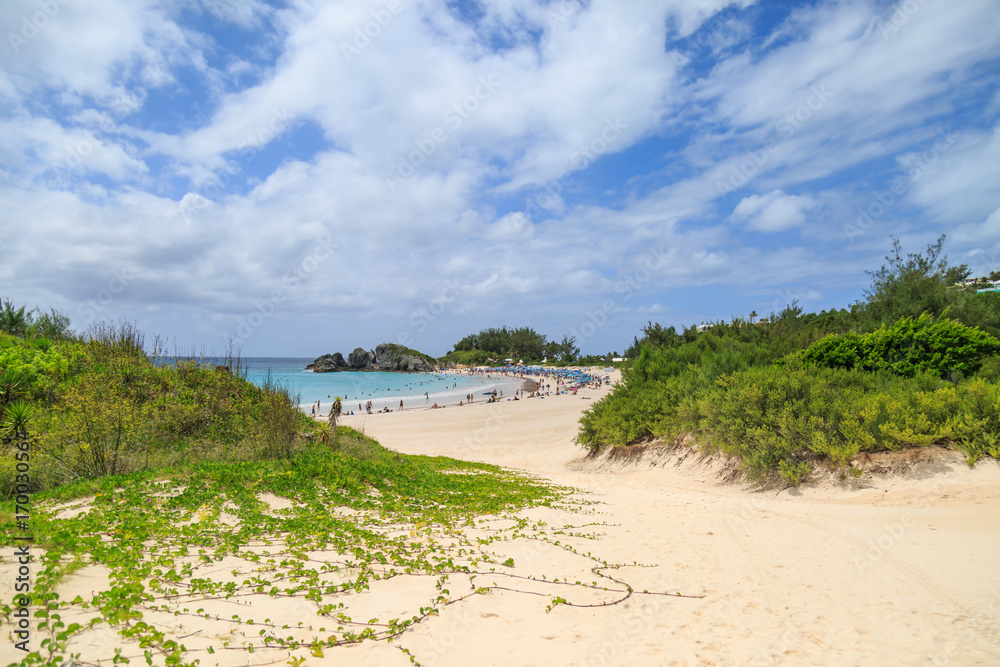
541	156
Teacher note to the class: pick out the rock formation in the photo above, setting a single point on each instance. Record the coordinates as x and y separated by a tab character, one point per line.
360	359
328	363
385	357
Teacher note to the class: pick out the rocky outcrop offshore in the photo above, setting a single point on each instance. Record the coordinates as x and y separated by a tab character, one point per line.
385	357
328	363
360	359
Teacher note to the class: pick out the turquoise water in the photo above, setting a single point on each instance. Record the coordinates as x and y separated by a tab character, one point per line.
383	389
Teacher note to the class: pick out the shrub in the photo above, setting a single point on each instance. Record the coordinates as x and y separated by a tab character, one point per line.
910	346
990	369
774	419
102	408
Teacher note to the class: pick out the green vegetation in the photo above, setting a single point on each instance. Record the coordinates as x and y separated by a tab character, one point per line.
517	344
409	351
917	283
184	489
910	346
180	544
391	353
470	357
28	324
916	364
102	407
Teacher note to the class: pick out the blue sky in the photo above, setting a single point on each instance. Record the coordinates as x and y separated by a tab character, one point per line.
314	176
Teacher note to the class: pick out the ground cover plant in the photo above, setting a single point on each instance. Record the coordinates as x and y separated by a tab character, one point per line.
182	551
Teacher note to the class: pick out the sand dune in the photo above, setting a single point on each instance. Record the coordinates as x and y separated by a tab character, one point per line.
887	570
899	569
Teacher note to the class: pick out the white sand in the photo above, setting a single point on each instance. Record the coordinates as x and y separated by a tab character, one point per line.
903	571
900	570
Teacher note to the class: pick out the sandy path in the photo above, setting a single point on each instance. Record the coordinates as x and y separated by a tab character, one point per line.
903	572
898	570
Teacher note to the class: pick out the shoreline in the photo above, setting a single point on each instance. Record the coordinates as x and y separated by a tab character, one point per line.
507	387
412	399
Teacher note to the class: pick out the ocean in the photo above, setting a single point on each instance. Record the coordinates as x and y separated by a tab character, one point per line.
383	389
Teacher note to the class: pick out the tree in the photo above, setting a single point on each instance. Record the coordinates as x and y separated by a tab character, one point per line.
916	283
568	350
15	321
912	284
23	323
526	343
52	325
633	350
335	411
657	336
470	342
523	343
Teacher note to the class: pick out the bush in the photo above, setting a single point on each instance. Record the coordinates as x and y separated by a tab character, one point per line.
943	347
777	419
990	369
774	419
777	393
102	408
644	404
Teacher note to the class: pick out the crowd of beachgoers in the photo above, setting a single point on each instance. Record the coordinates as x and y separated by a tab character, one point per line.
539	379
535	382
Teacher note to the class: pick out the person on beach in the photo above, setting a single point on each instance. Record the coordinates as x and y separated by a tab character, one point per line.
400	404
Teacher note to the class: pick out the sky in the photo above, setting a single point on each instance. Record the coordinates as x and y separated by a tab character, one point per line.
312	176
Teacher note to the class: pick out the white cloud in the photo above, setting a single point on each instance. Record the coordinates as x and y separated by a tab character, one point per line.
424	71
539	97
842	93
40	147
773	212
511	227
954	175
86	50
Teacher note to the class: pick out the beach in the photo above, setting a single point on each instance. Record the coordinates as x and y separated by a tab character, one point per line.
417	390
898	569
654	560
